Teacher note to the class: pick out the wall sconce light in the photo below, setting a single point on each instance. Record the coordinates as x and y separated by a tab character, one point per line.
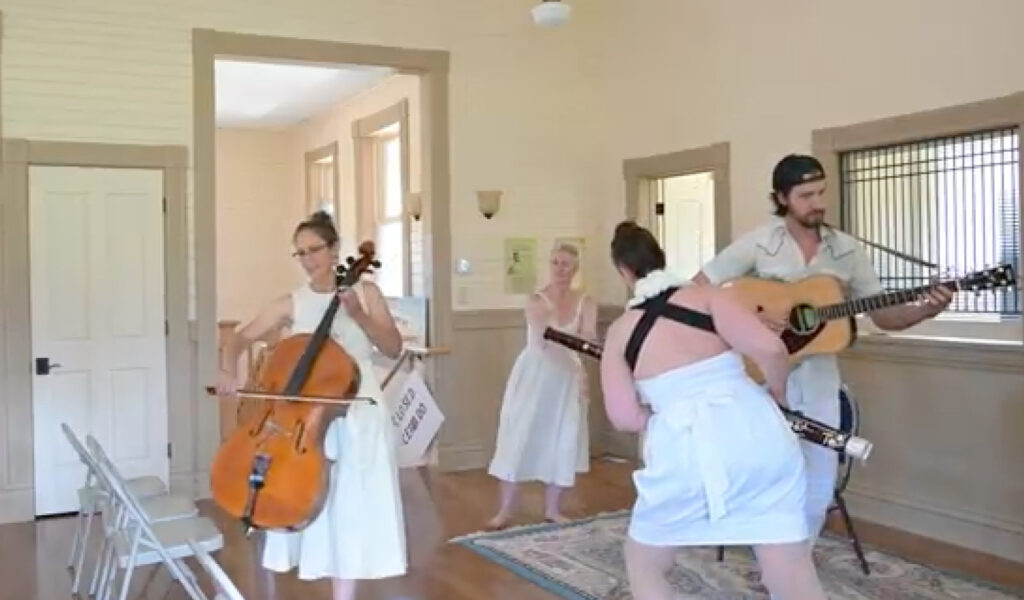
414	205
489	202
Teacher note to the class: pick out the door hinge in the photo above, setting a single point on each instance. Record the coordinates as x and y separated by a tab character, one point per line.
659	208
167	328
169	452
165	205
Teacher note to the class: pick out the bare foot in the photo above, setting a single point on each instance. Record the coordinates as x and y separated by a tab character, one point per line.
556	518
499	521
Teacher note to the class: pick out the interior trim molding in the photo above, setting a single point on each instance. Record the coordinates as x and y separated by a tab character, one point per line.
432	69
642	171
15	283
1005	358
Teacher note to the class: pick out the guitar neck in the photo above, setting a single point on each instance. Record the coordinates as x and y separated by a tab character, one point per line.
871	303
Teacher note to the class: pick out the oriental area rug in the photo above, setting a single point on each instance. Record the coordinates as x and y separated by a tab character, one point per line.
582	560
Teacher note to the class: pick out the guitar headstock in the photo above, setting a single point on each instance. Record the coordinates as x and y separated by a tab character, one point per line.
989	279
348	273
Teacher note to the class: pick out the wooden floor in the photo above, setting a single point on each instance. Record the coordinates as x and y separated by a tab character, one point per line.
33	555
438	507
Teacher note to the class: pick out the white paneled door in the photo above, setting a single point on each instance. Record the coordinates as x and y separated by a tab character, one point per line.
98	324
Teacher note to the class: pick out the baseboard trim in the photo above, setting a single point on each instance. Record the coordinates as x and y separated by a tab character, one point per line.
17	505
191	483
988	522
935	553
946	527
462	458
202	484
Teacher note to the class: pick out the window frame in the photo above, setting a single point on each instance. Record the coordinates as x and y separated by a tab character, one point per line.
829	143
326	154
380	216
366	134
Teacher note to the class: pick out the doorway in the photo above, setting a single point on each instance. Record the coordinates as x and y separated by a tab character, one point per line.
683	198
684	208
95	310
430	68
98	308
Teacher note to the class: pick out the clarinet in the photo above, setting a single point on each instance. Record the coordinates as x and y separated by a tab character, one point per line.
809	429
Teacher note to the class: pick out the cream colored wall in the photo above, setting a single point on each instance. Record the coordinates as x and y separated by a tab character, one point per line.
520	114
945	422
336	125
547	116
518	111
261	195
762	76
260	198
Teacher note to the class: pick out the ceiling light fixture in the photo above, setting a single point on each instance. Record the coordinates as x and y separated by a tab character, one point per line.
551	13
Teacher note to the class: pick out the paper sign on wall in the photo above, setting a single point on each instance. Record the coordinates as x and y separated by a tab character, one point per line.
416	419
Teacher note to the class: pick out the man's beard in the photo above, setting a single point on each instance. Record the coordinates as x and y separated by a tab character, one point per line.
812	220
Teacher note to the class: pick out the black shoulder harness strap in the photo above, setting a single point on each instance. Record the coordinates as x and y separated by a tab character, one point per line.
658	306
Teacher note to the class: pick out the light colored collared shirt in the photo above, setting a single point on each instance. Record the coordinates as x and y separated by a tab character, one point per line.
771	252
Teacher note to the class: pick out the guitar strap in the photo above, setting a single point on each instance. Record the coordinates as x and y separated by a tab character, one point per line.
659	306
897	253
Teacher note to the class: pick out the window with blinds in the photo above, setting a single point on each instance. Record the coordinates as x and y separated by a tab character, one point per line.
952	201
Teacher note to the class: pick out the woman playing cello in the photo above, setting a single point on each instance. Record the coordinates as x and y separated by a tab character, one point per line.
360	533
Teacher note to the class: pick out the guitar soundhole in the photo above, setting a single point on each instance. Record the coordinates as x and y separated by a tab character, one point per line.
804	319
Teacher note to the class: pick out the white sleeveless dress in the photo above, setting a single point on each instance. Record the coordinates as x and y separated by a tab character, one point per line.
360	534
721	465
543	431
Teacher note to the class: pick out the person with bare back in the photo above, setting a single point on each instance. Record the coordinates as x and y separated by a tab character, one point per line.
797	242
721	465
542	429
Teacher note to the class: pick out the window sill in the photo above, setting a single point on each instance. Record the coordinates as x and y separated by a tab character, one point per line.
947	352
964	332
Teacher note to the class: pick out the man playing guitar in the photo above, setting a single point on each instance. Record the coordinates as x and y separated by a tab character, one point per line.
794	244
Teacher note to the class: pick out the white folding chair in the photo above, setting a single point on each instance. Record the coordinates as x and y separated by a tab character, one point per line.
89	501
96	498
135	539
226	589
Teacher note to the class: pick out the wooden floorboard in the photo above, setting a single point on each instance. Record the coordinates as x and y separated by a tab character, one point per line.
438	507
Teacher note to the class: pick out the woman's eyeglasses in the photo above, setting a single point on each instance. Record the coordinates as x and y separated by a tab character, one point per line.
302	252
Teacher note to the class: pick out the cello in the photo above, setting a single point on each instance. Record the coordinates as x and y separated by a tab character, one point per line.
271	471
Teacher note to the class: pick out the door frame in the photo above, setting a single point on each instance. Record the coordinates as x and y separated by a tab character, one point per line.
363	144
639	172
17	486
432	69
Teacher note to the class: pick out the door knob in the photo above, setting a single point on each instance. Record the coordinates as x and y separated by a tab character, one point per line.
43	365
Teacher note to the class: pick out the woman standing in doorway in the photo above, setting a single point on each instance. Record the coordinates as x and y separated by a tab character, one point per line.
360	533
543	431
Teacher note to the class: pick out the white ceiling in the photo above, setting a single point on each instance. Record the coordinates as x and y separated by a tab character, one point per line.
267	95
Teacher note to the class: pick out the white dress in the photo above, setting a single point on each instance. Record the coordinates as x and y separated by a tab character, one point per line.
360	534
543	432
721	465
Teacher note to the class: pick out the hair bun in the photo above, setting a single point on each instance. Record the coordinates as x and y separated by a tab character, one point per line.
321	216
626	227
636	248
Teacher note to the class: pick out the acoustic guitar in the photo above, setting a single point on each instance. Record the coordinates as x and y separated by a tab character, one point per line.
820	320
